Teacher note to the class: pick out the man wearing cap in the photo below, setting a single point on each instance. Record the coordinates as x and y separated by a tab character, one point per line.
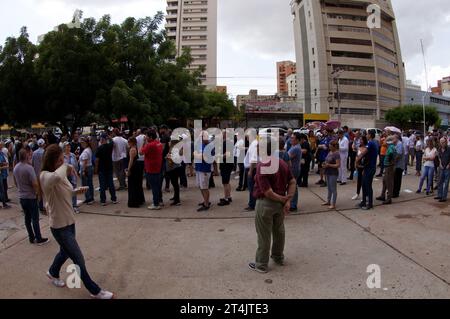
36	162
389	169
104	168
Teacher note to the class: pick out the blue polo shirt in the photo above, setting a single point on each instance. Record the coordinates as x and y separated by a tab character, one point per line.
372	154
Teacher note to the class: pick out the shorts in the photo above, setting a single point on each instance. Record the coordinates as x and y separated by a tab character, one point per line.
225	172
203	180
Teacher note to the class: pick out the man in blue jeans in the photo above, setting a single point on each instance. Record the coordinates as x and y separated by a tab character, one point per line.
295	157
104	168
371	155
153	160
444	179
27	185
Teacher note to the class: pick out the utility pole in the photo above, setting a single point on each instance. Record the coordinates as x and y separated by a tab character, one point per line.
426	75
336	75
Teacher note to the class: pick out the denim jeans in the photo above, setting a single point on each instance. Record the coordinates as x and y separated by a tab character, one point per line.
251	186
443	184
332	189
106	182
31	210
428	174
154	180
69	248
87	180
368	175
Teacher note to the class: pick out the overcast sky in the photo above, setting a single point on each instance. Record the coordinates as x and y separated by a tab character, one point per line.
252	34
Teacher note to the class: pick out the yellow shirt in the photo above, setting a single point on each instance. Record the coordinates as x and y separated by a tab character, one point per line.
58	194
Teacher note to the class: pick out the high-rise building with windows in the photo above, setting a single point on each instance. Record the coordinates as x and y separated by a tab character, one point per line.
284	70
193	24
335	47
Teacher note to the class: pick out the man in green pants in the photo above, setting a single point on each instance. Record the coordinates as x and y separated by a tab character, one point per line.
274	189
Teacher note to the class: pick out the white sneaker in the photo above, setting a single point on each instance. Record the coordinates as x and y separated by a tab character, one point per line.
56	281
103	295
153	207
356	197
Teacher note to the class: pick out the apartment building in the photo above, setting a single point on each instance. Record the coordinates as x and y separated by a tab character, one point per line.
335	47
443	87
193	24
284	70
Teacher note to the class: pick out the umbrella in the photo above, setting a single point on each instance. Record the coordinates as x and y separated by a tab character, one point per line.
393	129
332	125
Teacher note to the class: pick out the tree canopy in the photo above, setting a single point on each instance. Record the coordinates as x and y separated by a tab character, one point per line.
410	116
102	71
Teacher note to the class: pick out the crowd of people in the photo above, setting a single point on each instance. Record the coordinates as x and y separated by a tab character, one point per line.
48	172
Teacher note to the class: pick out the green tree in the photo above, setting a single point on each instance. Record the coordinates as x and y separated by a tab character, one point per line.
20	94
411	116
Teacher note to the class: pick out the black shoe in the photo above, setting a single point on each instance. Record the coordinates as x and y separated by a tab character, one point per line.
249	209
293	210
323	185
381	199
262	270
42	241
361	205
419	192
438	198
224	202
442	201
177	203
204	208
32	241
428	193
367	207
239	189
321	182
388	202
343	184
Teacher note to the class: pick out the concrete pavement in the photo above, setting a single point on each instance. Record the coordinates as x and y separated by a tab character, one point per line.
179	253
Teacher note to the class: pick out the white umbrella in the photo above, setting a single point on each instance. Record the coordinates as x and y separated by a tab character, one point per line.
393	129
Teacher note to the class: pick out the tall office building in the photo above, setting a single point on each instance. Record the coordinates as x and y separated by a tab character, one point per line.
193	24
333	35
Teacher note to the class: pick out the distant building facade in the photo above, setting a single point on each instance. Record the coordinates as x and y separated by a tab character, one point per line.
332	35
284	70
193	25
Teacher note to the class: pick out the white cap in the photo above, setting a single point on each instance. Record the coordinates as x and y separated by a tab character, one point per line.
41	142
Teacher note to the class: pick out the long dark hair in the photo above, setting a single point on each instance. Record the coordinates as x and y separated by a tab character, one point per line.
51	156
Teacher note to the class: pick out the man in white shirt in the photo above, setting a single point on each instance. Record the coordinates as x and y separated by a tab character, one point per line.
343	152
250	162
119	156
412	148
405	142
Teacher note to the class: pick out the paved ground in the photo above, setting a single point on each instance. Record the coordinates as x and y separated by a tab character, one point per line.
179	253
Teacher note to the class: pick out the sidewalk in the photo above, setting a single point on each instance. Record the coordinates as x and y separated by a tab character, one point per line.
179	253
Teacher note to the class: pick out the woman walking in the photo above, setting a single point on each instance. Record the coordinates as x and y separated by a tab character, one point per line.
87	171
331	166
58	193
428	167
134	173
71	159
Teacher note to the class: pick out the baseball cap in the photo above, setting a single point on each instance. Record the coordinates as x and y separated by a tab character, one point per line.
41	142
104	136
